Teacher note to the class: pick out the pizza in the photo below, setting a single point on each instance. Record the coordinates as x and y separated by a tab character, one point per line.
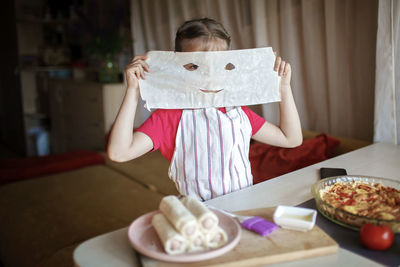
372	200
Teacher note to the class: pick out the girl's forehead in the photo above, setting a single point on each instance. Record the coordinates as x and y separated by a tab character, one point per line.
204	44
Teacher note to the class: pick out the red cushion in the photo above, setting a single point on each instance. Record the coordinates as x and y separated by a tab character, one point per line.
270	161
23	168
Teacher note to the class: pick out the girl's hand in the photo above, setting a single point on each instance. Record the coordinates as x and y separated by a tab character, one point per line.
288	133
284	71
124	144
136	70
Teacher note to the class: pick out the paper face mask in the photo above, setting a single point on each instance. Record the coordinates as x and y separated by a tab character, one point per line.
210	79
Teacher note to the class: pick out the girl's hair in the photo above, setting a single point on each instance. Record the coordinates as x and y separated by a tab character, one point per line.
205	27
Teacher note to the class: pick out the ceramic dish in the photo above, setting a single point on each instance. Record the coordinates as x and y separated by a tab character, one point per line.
295	218
144	239
347	219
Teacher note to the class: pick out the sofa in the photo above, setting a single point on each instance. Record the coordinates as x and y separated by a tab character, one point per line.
46	214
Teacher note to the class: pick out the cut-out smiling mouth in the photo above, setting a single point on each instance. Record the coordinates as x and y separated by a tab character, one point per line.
211	91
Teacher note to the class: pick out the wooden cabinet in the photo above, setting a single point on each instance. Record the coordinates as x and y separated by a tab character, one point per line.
82	113
55	40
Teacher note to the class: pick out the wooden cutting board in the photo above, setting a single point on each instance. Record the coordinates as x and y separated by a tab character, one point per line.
254	250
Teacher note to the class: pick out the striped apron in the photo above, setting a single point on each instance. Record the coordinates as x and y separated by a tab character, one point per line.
211	156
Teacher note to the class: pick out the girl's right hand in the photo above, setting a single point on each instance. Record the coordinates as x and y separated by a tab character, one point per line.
136	70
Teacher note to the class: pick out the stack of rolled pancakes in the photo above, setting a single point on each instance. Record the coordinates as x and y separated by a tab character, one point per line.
187	225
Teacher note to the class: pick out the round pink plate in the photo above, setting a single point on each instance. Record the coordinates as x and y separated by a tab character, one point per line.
144	239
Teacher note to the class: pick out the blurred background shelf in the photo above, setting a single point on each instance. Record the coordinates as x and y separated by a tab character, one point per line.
55	48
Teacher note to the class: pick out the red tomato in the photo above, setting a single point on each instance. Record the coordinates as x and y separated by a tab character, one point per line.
377	237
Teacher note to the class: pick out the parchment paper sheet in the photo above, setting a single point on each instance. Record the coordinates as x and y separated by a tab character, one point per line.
210	79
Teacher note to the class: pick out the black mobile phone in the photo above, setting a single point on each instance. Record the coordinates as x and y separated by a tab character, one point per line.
330	172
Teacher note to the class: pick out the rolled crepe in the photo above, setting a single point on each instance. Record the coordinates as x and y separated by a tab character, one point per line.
216	238
206	218
197	242
179	216
173	242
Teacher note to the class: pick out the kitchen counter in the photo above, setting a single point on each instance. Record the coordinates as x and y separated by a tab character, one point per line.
380	159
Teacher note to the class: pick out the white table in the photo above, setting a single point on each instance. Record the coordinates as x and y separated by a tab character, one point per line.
380	159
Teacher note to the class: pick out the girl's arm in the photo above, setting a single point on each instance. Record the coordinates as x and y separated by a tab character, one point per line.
124	144
288	134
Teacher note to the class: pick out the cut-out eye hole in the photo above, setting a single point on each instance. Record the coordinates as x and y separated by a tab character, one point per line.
229	66
191	66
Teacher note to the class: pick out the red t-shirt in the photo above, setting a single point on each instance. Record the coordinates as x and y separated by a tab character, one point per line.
162	125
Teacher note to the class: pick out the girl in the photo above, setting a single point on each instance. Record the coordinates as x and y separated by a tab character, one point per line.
207	148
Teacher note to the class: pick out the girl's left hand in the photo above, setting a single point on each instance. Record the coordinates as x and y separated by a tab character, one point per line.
284	70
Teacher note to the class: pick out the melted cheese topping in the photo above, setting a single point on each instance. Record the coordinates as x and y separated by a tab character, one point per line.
373	200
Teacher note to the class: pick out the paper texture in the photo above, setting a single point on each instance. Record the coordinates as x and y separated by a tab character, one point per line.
210	79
